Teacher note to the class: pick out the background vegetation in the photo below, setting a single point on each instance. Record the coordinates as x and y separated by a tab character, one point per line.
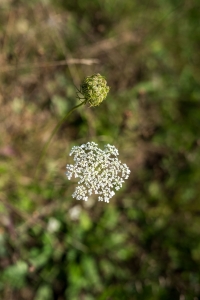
144	244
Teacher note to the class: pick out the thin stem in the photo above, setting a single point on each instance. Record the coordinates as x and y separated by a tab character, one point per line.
53	133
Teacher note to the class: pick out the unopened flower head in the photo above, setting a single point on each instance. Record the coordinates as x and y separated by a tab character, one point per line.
94	89
99	171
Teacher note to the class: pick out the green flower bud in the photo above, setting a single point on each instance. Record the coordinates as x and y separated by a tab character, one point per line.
94	89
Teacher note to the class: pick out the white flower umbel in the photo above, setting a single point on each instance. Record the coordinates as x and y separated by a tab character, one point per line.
100	172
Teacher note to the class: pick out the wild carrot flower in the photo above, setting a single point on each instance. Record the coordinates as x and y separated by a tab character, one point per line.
94	89
99	171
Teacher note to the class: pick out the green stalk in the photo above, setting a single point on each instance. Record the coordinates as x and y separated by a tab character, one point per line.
44	150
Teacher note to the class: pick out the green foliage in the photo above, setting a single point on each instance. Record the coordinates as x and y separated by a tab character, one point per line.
144	244
15	275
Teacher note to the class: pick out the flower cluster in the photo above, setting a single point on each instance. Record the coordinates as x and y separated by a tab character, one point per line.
100	171
94	89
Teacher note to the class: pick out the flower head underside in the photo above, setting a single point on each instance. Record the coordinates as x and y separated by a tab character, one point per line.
94	89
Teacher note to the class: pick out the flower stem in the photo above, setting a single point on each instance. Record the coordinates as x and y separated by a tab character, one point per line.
44	150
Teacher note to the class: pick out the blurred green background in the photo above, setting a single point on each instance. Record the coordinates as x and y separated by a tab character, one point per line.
144	244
